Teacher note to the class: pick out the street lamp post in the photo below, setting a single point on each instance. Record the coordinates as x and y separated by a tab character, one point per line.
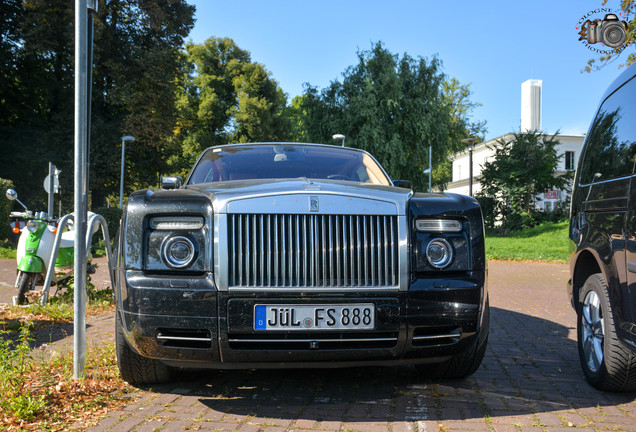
339	137
429	171
121	179
471	146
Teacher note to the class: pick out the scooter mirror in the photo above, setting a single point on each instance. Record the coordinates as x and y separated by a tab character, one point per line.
13	196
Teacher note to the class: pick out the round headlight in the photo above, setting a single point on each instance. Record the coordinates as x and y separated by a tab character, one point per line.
178	252
439	253
32	226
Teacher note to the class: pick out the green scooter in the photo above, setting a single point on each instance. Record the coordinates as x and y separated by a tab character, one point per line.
35	247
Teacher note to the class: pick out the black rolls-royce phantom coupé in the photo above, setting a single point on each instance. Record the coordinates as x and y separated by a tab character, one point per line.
278	255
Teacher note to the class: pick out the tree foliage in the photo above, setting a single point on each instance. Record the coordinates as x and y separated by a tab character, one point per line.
225	98
177	99
521	169
136	64
395	108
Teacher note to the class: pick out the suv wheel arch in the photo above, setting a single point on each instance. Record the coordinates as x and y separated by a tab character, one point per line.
586	265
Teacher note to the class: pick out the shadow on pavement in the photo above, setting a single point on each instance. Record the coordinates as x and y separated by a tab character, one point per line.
45	333
531	366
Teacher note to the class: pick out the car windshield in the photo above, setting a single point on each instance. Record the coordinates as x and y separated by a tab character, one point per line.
249	162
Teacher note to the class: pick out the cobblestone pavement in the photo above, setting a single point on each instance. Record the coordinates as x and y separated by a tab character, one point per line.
530	380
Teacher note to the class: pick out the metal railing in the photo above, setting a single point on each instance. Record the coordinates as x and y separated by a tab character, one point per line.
93	220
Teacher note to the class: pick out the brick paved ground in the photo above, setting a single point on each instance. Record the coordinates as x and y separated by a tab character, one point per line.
530	381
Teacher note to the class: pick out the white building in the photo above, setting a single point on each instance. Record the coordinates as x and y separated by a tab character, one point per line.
531	108
569	147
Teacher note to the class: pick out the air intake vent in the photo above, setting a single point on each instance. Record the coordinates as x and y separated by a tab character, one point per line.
434	336
321	251
313	341
185	338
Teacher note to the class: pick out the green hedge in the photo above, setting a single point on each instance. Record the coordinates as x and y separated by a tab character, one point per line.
112	216
5	208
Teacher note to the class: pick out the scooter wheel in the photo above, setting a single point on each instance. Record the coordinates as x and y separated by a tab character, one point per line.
25	283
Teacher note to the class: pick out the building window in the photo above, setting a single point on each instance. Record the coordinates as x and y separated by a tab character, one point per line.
569	161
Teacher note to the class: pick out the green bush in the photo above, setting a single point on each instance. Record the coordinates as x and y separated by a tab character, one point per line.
5	209
487	205
112	216
18	398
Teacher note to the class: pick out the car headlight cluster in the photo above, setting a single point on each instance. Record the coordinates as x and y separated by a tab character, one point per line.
439	252
178	252
175	243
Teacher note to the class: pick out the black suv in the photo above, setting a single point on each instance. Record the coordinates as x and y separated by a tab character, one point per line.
603	241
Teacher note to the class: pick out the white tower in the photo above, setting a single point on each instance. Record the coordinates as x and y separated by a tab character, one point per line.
531	105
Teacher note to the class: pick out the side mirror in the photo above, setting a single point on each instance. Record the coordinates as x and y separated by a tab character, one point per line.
407	184
171	182
13	196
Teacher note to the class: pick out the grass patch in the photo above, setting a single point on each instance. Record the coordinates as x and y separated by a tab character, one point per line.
7	250
41	394
44	396
547	242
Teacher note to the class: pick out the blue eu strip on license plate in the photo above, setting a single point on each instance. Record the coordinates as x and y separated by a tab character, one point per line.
259	317
314	317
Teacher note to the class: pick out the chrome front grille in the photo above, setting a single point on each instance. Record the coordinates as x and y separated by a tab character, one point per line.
312	250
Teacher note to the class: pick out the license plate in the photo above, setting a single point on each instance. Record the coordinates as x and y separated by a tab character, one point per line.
314	317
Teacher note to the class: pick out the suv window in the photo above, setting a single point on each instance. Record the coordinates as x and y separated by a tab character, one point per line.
611	145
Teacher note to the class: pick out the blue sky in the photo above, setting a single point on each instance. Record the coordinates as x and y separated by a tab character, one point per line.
494	45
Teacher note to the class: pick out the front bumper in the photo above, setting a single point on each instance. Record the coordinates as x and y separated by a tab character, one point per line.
189	323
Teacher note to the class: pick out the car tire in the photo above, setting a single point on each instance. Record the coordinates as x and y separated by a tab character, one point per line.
606	363
134	368
465	363
25	283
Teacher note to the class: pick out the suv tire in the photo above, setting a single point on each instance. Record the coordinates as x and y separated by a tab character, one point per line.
607	365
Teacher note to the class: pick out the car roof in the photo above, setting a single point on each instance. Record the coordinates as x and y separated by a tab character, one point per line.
252	144
625	76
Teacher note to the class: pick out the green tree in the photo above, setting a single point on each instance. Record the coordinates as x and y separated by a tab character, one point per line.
225	97
138	58
37	107
136	66
10	35
521	169
395	108
629	8
457	98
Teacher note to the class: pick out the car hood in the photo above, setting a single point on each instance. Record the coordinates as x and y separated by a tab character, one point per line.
297	196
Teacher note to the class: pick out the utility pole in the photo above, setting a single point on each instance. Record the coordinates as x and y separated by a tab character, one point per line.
84	10
471	146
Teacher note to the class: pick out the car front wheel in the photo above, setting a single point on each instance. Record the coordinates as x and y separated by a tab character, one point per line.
463	364
136	369
607	365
